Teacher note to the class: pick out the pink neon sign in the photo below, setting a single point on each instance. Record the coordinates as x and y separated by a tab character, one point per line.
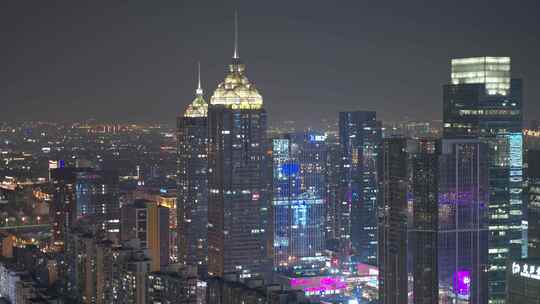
318	284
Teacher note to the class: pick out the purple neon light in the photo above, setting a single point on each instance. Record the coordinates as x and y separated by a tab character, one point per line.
461	198
462	282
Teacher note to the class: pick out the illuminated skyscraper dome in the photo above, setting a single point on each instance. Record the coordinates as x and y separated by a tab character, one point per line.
236	90
198	107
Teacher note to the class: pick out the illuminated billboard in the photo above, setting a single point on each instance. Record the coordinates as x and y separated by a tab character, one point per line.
323	285
462	282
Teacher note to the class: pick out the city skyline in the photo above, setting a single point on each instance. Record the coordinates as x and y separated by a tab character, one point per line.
319	169
135	63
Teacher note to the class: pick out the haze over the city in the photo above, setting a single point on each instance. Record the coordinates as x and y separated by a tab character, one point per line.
70	60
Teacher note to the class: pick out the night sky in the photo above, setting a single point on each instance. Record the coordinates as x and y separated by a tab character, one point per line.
69	60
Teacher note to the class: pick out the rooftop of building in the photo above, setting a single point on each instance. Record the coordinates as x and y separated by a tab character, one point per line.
198	107
236	91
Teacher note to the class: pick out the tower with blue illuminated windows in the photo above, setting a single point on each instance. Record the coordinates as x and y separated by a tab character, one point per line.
299	192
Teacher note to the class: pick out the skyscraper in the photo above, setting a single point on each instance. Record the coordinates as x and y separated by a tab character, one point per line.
463	222
483	102
84	193
523	281
97	196
333	201
422	241
360	138
238	200
482	99
192	172
299	202
149	223
392	225
533	215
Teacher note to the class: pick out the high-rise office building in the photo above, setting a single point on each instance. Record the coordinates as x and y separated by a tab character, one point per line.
392	223
360	138
463	221
158	236
238	203
478	104
483	102
422	243
333	169
192	173
97	196
533	192
299	192
523	277
493	72
84	193
167	198
62	210
149	223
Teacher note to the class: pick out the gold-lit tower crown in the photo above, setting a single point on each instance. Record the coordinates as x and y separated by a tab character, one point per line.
236	90
198	107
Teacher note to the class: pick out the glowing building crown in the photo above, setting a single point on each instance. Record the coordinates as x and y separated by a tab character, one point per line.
198	107
494	72
236	90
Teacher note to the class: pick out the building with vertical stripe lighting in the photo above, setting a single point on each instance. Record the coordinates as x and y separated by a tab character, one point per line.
298	202
483	102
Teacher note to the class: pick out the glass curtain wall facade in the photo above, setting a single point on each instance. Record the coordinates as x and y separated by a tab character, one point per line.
463	222
192	182
237	200
84	193
97	196
192	201
533	215
360	138
333	166
299	192
484	103
494	72
238	205
423	231
392	223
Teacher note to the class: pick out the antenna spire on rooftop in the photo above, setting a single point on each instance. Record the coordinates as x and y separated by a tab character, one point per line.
199	90
236	54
